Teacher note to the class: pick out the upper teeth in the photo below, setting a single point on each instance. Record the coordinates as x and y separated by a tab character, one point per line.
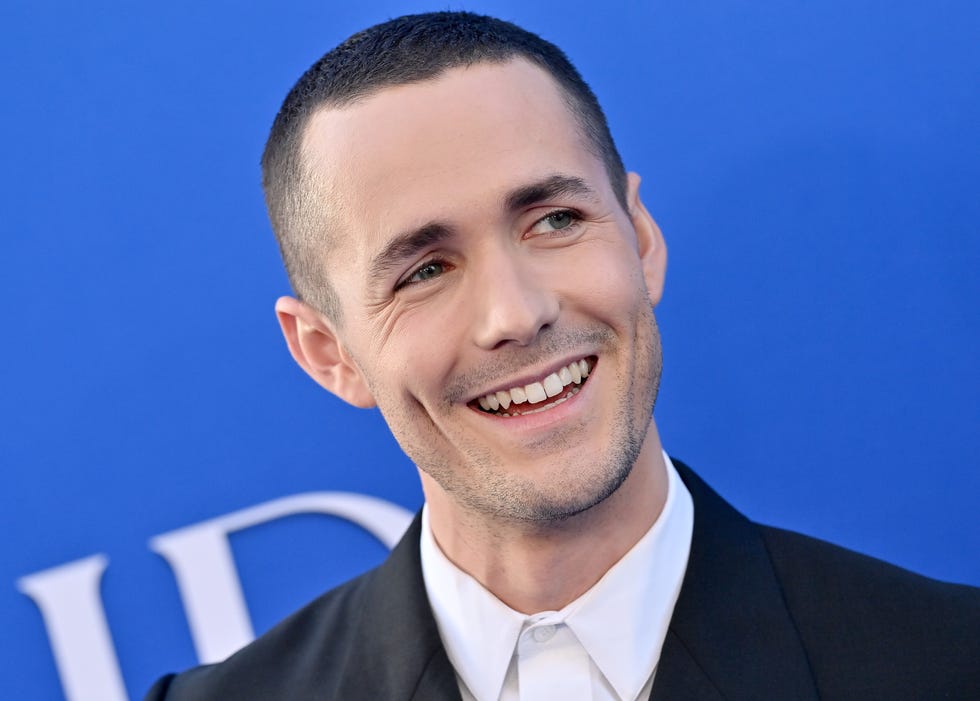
550	386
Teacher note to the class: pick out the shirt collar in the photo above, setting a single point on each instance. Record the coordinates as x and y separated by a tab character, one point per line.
478	630
621	621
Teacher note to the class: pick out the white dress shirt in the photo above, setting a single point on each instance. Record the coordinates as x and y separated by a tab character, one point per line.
604	646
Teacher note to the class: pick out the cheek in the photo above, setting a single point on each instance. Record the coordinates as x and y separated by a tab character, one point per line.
417	358
612	282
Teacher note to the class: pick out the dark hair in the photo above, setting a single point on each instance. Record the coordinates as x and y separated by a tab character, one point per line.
407	49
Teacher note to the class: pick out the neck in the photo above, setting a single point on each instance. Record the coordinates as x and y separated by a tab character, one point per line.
534	567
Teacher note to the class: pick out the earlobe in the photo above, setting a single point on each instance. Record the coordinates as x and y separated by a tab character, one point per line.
315	346
650	241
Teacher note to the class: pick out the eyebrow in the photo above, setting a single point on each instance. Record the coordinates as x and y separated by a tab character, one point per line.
407	245
553	186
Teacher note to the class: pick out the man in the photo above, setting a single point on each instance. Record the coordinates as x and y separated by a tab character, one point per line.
470	256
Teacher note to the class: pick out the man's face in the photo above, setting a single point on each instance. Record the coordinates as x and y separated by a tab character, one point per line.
481	257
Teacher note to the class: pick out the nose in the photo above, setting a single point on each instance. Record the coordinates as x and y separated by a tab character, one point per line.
514	303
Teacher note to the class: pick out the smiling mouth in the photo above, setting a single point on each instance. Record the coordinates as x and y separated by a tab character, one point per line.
546	393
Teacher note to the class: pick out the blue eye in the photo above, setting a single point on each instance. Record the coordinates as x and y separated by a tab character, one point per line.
560	220
426	271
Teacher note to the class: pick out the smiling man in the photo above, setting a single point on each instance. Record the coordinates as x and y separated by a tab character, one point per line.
470	256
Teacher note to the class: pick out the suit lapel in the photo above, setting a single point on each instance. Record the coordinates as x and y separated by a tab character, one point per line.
397	654
679	676
731	635
438	680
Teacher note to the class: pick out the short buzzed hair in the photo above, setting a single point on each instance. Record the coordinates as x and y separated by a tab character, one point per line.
408	49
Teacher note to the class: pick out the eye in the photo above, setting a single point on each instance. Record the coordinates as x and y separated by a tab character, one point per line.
556	221
427	271
560	220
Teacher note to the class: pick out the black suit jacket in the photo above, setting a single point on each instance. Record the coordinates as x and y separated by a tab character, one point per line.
763	614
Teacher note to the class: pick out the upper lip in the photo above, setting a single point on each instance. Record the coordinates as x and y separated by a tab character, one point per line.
530	377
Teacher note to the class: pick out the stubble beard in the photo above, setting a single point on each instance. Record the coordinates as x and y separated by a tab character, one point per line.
488	488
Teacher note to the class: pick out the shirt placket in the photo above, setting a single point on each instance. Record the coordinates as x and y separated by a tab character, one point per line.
552	664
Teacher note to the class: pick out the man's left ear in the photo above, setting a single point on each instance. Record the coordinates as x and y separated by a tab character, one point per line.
650	241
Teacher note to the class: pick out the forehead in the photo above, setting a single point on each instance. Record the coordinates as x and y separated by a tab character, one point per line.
442	149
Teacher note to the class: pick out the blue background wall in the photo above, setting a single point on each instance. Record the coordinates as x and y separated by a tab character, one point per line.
815	168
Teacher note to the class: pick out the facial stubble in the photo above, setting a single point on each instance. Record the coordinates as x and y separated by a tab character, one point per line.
481	482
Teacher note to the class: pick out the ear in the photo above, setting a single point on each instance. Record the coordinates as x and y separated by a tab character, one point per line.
315	346
650	241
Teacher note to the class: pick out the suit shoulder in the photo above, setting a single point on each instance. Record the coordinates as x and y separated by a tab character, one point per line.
864	621
303	651
802	559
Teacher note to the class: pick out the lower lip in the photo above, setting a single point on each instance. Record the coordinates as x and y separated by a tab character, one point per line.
547	417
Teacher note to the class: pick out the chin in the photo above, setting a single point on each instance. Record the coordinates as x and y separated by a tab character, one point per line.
553	497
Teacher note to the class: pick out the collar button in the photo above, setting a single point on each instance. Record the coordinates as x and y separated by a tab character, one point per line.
543	634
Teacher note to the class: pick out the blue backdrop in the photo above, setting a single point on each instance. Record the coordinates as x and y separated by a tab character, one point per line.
815	168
